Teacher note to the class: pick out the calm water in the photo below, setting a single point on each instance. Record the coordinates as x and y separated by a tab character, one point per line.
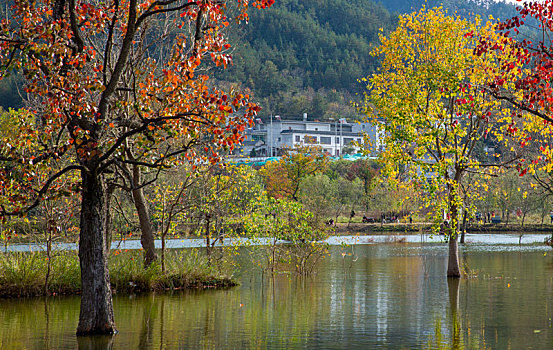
383	296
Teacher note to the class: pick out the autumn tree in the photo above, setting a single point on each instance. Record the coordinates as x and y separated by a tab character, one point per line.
429	97
283	177
96	86
532	94
366	171
220	199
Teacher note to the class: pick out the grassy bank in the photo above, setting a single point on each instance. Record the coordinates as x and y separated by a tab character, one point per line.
25	274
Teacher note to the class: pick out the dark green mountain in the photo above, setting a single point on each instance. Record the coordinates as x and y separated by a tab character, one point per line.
465	8
307	55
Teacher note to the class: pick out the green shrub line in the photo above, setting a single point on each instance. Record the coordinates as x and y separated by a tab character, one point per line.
23	274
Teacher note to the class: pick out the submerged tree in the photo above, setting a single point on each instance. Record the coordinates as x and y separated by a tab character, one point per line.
430	99
98	84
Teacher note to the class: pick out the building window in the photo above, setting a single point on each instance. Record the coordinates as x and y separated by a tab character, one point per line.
258	137
326	140
297	138
310	139
348	140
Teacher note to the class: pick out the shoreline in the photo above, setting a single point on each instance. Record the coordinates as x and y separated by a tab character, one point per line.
417	228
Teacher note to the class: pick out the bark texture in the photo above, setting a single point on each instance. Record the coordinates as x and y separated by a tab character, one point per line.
96	315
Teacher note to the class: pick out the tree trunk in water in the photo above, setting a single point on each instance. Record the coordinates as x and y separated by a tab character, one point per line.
146	231
96	316
453	261
453	269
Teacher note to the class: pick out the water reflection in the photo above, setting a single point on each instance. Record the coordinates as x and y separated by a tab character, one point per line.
382	296
496	242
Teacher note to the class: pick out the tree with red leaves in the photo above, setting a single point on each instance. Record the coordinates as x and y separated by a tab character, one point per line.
533	92
105	78
530	62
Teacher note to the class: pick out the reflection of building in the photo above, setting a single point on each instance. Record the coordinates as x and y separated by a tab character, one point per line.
335	137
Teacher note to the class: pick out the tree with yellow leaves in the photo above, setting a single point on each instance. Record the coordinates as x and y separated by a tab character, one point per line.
428	96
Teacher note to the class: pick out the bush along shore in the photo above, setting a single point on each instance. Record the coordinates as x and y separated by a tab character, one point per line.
29	274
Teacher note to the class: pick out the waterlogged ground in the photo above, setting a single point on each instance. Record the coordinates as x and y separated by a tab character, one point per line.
365	296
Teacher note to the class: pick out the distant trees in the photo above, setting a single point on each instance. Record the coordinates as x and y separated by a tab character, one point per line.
283	178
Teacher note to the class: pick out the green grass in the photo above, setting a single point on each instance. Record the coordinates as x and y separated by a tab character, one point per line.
24	274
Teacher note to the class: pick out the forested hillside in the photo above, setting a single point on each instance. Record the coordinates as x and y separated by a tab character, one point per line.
468	8
298	54
305	56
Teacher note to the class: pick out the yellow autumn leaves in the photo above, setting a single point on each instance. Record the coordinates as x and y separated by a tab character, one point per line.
430	97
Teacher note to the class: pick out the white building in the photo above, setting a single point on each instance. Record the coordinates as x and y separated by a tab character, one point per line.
335	137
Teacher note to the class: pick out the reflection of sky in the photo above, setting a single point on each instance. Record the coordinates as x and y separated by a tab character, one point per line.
382	291
480	239
383	296
390	296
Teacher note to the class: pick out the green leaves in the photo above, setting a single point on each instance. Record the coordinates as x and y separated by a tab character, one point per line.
428	97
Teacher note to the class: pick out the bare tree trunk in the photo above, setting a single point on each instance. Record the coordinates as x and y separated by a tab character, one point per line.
208	237
351	214
96	315
49	258
147	238
107	214
464	227
453	269
453	261
523	218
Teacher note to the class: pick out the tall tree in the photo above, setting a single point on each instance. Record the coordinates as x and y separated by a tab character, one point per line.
99	83
429	99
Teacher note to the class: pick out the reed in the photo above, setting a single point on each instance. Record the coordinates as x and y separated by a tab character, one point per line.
24	274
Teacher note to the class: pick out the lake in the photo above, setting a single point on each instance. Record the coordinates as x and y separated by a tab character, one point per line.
365	296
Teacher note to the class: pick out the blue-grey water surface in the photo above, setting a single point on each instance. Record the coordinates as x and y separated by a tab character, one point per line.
364	296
